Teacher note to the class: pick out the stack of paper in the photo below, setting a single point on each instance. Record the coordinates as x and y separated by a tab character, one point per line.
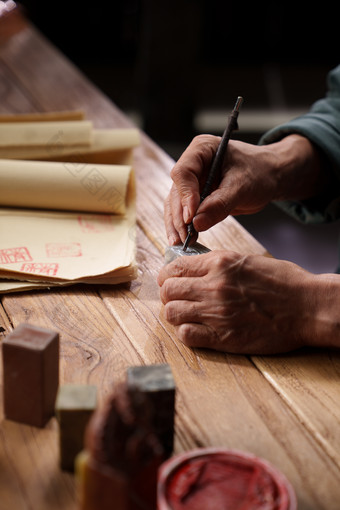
67	202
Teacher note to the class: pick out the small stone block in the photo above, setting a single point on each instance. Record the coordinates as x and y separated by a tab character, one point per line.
30	374
157	382
74	407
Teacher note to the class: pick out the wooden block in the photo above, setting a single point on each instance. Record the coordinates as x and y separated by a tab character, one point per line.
74	407
31	374
156	382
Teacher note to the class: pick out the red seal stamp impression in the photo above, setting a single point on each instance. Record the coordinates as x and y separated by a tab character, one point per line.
44	268
12	255
56	250
95	223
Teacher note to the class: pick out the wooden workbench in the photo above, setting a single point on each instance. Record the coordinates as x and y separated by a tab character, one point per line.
284	408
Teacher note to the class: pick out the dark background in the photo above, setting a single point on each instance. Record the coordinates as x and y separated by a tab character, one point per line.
165	62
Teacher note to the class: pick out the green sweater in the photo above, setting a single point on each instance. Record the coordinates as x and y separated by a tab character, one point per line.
321	125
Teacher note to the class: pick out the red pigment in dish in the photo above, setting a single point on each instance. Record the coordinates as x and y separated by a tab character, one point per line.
223	483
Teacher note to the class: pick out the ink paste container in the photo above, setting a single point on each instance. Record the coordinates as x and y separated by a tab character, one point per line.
215	478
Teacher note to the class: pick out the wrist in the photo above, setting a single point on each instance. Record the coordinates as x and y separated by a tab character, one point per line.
322	326
297	168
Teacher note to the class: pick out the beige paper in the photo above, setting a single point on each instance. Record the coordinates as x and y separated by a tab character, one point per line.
35	134
65	186
43	116
67	247
107	146
69	217
10	286
39	248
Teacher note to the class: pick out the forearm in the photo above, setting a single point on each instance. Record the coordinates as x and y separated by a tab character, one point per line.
298	169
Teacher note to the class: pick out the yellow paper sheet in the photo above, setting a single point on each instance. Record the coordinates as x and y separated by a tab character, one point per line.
67	202
35	134
108	146
43	116
55	247
65	186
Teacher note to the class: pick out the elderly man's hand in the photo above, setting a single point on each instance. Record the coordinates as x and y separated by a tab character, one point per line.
240	304
252	176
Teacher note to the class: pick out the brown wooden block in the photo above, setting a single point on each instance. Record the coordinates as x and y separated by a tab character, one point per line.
31	374
74	407
156	382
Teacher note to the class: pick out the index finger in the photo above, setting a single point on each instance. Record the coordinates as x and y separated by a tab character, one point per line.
185	266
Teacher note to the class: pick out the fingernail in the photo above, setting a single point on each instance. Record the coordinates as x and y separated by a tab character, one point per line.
186	214
172	240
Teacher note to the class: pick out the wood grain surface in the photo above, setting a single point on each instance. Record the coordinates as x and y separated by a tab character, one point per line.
283	408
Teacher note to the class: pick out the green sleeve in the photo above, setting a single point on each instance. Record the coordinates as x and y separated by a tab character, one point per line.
321	125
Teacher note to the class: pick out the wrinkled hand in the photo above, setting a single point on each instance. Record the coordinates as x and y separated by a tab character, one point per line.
242	189
252	176
239	304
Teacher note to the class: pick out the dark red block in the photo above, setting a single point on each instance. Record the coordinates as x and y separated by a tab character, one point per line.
31	374
119	467
157	385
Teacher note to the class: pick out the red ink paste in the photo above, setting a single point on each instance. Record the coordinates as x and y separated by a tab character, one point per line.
225	480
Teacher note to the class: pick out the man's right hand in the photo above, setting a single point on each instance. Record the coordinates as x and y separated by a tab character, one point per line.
252	176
